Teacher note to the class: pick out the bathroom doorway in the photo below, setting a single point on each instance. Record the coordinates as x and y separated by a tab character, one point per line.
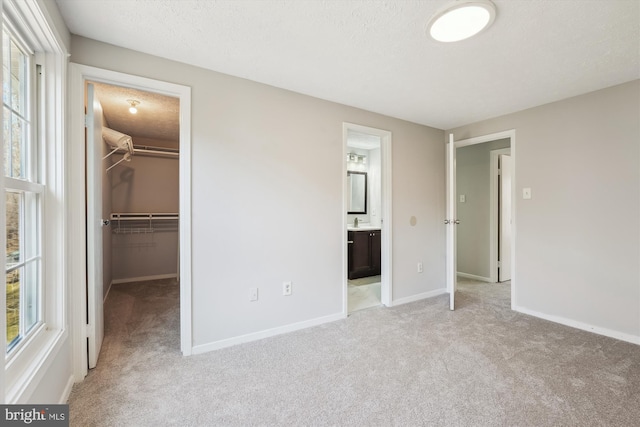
367	220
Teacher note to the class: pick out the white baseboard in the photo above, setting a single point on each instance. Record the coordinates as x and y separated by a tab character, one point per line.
67	391
143	278
622	336
474	277
216	345
419	297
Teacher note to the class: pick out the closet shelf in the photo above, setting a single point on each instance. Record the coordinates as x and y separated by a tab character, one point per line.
136	223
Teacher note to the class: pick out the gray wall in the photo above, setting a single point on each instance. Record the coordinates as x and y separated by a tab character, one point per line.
267	203
473	179
577	239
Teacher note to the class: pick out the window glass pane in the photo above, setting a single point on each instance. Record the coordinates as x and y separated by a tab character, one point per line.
18	139
6	132
30	247
30	294
14	214
6	60
13	306
15	137
18	79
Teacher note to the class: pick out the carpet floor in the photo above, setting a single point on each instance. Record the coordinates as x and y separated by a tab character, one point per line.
417	364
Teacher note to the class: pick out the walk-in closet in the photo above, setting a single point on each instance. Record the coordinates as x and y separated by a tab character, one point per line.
139	198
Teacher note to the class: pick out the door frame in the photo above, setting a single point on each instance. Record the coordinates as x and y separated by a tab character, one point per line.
511	134
78	75
386	292
494	227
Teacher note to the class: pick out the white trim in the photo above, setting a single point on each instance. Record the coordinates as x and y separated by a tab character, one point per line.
418	297
511	134
21	387
386	286
216	345
633	339
475	277
493	211
66	392
143	278
78	74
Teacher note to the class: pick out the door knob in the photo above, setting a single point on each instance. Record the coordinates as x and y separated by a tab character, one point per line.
457	221
446	221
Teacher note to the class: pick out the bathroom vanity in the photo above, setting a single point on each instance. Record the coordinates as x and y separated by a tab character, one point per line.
364	252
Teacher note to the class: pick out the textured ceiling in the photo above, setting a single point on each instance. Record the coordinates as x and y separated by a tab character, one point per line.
376	55
157	117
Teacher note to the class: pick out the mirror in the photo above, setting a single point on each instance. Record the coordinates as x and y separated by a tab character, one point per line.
356	192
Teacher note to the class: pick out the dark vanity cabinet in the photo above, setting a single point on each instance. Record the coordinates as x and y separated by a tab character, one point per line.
364	253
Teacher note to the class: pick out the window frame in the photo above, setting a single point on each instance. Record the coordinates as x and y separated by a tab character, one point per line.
23	368
30	184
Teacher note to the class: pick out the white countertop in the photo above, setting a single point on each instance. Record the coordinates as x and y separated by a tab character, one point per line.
362	227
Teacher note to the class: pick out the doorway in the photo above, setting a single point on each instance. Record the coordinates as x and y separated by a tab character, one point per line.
87	298
367	212
481	211
133	192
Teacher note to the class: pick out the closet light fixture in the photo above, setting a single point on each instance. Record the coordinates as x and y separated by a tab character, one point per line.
133	103
461	19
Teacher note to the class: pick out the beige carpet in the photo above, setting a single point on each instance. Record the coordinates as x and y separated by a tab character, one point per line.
413	365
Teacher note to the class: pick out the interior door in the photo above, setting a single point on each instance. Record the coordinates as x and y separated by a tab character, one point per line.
94	143
451	222
504	251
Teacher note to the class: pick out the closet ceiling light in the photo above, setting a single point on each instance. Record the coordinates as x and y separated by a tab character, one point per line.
133	103
461	19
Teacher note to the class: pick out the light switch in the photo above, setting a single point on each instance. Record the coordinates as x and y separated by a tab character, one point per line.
526	193
463	198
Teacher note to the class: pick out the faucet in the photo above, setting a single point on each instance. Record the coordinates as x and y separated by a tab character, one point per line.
355	222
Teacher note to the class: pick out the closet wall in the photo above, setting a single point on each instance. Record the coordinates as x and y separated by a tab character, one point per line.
147	184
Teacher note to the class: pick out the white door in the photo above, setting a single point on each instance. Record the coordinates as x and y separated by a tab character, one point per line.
504	252
94	144
451	221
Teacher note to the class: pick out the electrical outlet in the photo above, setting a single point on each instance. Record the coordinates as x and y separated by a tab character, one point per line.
420	267
286	288
253	294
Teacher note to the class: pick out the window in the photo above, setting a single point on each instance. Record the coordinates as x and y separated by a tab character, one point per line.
23	190
34	219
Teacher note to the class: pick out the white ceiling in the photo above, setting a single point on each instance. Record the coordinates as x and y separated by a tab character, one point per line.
158	116
376	55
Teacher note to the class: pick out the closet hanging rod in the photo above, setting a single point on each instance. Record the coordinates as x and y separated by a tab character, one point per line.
156	151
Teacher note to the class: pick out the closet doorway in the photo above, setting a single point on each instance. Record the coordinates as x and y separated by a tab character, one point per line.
130	143
133	183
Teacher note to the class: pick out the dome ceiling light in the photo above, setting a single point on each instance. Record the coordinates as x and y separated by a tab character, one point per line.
461	19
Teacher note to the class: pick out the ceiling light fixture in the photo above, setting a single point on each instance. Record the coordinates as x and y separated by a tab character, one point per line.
461	19
133	104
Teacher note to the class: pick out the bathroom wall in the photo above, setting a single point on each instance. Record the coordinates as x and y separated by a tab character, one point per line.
145	185
473	179
375	186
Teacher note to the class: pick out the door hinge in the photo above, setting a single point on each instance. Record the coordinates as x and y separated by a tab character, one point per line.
499	264
499	171
86	120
